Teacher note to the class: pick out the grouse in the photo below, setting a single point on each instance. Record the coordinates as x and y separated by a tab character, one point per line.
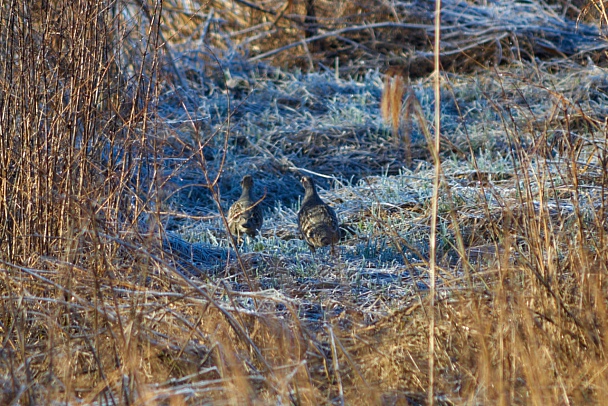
317	221
245	215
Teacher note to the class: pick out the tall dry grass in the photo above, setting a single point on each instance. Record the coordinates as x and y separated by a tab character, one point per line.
75	90
72	114
93	311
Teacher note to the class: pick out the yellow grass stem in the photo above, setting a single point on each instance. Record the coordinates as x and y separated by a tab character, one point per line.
435	203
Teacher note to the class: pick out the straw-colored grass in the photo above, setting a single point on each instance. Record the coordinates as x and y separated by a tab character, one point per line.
121	153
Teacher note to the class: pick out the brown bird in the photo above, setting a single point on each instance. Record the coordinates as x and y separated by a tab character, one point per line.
317	221
245	215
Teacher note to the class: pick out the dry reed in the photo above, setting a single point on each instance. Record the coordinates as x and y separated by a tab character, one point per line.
120	285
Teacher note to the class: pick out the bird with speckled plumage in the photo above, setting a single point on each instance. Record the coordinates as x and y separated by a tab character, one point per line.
245	216
317	221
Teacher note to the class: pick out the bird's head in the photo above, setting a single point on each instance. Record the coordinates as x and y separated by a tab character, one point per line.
308	183
247	182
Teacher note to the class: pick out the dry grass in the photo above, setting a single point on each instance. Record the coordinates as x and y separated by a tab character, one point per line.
120	284
353	37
